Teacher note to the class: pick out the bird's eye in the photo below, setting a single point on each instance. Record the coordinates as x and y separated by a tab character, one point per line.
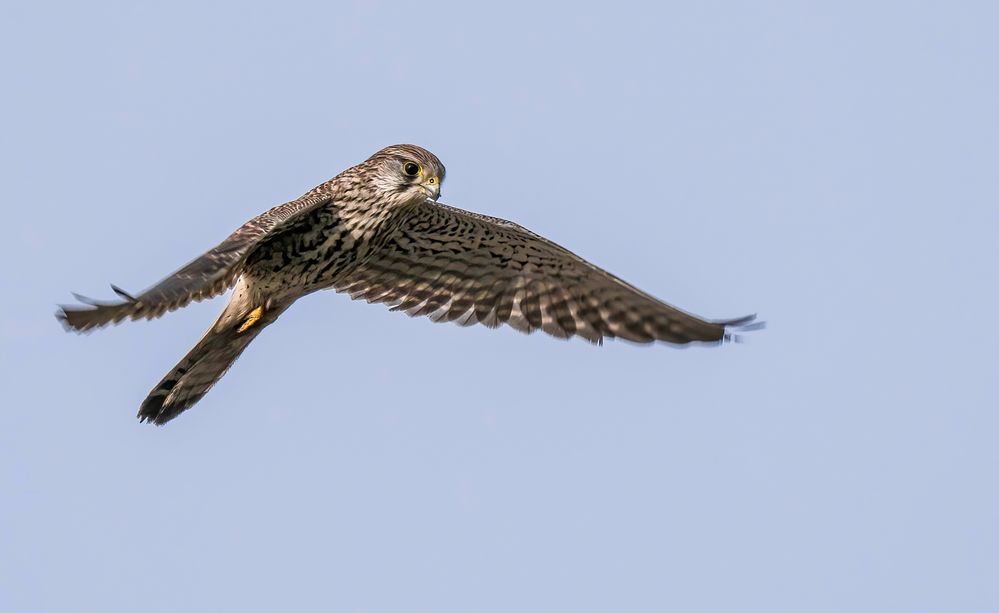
411	168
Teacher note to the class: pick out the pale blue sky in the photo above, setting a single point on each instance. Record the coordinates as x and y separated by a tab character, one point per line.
831	166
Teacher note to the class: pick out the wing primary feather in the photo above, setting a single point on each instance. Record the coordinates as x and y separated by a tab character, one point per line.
123	293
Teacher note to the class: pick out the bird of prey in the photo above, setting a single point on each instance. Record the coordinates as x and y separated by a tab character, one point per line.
377	232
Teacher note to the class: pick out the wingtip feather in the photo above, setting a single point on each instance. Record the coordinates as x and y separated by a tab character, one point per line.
734	328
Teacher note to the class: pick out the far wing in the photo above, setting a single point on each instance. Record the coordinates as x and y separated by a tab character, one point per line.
205	277
453	265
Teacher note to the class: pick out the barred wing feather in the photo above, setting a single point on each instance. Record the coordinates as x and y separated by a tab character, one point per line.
454	265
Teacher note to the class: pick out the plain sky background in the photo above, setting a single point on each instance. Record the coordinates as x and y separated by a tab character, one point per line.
831	166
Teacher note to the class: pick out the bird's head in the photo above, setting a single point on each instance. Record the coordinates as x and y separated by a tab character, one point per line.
408	171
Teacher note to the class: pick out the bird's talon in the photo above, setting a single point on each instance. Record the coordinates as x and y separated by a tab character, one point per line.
251	319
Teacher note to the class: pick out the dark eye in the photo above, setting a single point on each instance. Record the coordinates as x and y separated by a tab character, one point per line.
411	168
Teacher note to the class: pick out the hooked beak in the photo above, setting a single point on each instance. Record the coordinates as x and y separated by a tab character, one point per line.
432	187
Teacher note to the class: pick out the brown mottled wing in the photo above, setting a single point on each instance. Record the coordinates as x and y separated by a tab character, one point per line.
205	277
453	265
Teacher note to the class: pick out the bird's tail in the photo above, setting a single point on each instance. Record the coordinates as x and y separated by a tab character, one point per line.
209	360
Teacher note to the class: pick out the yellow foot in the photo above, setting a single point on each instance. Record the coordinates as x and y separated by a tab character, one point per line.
251	319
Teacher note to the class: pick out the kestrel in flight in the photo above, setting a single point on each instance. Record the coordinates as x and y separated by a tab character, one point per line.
377	232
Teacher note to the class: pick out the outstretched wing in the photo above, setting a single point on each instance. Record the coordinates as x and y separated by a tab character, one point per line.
205	277
453	265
